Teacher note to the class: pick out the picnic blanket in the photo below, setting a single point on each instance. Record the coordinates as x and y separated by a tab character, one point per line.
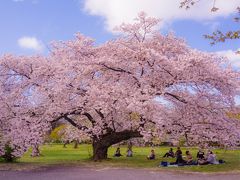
194	163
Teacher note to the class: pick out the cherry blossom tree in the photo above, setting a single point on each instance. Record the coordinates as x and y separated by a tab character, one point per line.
141	84
22	123
72	134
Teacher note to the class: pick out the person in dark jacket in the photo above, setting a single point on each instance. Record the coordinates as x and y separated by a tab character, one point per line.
178	155
200	154
170	153
117	153
152	155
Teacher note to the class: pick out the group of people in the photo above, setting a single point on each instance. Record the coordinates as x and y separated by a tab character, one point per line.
202	159
129	151
210	158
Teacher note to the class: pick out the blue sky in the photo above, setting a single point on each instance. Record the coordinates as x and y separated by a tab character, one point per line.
48	20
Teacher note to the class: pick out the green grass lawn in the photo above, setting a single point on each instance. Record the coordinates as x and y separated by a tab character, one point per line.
57	155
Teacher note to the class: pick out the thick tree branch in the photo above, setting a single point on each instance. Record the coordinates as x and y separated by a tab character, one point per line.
74	112
100	113
123	71
176	97
80	127
90	118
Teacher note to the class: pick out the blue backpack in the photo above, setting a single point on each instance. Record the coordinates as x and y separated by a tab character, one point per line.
164	163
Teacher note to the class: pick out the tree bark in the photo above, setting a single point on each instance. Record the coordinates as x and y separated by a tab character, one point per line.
102	143
65	144
35	151
76	143
99	150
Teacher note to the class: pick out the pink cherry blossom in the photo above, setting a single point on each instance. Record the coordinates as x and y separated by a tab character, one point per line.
141	84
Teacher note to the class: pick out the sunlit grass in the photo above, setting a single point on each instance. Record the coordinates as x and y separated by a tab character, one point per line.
57	155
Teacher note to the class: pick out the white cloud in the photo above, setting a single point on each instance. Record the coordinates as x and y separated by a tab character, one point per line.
117	11
232	56
31	43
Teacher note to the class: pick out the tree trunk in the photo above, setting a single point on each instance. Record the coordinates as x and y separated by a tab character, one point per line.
99	150
35	151
103	142
186	137
65	144
76	143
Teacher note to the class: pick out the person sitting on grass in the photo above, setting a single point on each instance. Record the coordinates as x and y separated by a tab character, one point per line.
117	153
129	152
200	154
170	153
179	159
211	159
201	159
152	155
189	158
